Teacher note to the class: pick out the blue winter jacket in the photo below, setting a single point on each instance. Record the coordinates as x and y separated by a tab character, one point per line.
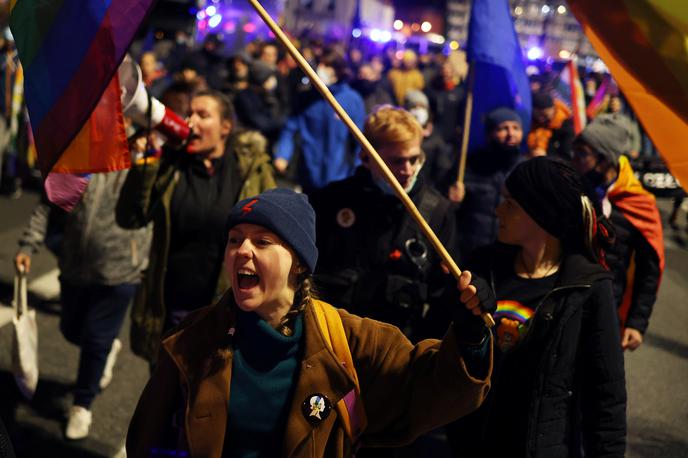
329	152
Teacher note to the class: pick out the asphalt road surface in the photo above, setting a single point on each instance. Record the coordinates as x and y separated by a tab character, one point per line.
656	373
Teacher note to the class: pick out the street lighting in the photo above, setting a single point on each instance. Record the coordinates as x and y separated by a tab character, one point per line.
534	53
426	26
398	24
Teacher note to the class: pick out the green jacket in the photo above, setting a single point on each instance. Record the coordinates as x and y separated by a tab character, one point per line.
146	196
256	171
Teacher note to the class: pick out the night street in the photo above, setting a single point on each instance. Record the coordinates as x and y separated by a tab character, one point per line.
658	401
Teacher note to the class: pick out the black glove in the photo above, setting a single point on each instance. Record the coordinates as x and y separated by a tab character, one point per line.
470	329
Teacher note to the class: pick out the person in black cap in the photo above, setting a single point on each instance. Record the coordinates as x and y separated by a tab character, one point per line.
271	371
486	171
551	132
258	106
558	385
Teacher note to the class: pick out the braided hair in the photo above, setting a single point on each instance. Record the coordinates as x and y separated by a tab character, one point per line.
305	293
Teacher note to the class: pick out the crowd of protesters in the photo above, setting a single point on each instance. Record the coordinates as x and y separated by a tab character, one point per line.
562	236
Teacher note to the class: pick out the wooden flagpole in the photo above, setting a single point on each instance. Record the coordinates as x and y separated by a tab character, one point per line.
466	124
356	132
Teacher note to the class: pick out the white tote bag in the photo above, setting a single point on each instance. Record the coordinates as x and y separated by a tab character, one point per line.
24	340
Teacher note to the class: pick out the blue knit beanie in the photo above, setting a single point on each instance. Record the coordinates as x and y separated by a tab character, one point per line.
500	115
284	212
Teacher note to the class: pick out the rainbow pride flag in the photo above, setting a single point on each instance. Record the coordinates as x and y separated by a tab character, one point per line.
70	51
600	101
643	43
568	89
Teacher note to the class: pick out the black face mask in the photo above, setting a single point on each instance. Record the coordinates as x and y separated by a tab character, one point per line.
596	181
502	156
506	150
595	177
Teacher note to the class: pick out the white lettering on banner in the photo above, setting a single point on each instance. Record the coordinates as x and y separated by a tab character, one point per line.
660	180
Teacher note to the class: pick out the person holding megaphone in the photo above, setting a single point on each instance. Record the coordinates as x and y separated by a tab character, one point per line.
184	192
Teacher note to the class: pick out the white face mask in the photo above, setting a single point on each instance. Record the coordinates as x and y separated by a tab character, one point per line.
324	75
270	83
421	114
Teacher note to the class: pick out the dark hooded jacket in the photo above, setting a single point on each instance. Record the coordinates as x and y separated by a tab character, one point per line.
373	259
577	392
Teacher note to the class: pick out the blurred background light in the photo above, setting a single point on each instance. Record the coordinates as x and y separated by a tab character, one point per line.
534	53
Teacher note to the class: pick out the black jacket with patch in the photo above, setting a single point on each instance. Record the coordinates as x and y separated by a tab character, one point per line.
374	260
577	395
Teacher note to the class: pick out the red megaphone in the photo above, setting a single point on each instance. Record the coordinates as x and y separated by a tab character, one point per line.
139	105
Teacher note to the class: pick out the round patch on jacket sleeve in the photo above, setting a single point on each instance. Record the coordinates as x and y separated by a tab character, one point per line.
316	408
346	218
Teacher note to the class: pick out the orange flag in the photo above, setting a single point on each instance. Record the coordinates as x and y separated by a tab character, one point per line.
643	42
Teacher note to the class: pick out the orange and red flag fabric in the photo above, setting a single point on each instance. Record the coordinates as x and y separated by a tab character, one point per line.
643	43
600	102
101	143
640	208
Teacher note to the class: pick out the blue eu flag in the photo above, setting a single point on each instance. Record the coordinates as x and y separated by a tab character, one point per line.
500	78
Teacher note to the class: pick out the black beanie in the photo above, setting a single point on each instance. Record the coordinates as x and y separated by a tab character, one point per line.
284	212
550	191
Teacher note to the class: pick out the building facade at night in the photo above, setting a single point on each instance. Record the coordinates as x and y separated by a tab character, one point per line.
547	27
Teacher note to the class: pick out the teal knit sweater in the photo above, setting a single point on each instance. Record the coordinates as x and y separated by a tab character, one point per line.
264	371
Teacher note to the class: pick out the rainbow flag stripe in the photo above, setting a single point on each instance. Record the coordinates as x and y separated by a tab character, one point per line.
643	42
70	51
597	104
513	310
570	91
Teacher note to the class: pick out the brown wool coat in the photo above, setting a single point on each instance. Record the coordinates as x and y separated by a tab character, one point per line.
406	390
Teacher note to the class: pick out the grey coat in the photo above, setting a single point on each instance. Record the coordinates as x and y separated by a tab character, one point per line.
94	249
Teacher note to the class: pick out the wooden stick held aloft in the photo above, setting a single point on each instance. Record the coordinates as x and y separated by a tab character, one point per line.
356	132
466	123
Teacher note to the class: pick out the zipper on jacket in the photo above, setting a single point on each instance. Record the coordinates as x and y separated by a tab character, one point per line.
557	289
533	414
